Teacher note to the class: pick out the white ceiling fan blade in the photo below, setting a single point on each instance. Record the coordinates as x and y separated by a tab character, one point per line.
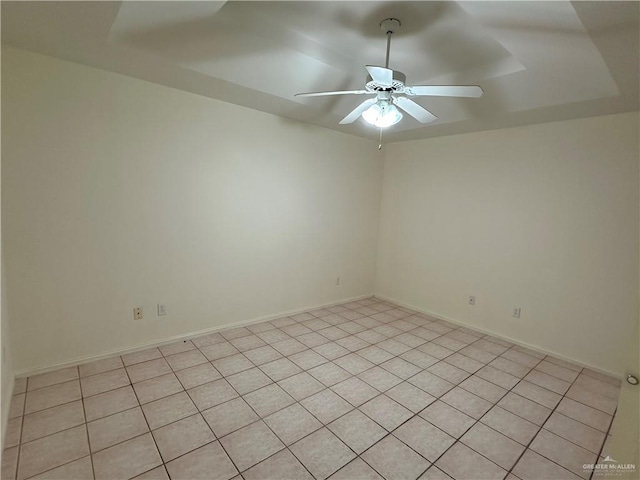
415	110
470	91
356	112
337	92
382	76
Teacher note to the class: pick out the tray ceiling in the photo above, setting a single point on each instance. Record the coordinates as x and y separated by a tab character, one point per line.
536	61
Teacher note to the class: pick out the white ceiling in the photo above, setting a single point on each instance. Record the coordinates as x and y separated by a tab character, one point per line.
536	61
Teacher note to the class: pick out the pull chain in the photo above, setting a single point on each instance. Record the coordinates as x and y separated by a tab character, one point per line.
380	141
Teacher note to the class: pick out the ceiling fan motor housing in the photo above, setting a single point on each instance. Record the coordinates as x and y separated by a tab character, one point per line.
397	84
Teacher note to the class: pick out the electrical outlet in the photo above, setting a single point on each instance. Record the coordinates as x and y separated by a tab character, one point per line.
516	312
162	310
137	313
472	300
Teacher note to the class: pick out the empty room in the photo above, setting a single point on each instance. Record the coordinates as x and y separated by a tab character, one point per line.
253	240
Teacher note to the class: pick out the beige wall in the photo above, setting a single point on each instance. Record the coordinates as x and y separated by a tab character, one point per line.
543	217
118	192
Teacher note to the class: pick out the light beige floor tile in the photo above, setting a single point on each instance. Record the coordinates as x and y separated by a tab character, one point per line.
16	408
233	364
322	453
585	414
248	380
448	342
419	358
563	363
357	431
435	350
262	355
525	408
375	355
563	452
52	420
463	362
292	423
209	462
251	444
478	354
498	377
538	394
372	337
296	329
356	469
462	463
331	350
273	336
248	342
20	385
104	382
333	333
78	469
434	473
177	347
592	399
268	400
447	418
158	473
448	372
393	459
108	403
547	381
168	409
392	346
212	394
312	339
282	466
187	359
510	367
352	343
489	346
127	459
210	339
532	466
280	369
493	445
229	417
400	368
521	358
182	436
410	397
289	346
511	425
219	350
483	389
52	451
557	371
234	333
141	356
353	363
301	385
355	391
380	379
431	383
307	359
9	463
12	433
198	375
601	376
386	412
329	374
52	378
116	428
576	432
424	438
467	402
100	366
326	405
146	370
52	396
156	388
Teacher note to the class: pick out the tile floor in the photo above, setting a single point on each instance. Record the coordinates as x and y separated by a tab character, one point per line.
363	390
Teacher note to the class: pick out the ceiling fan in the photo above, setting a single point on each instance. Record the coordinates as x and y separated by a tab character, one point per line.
391	93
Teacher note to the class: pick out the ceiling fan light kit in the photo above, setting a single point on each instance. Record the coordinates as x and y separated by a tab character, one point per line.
392	94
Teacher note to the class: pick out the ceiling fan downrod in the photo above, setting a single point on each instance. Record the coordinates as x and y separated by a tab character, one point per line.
389	26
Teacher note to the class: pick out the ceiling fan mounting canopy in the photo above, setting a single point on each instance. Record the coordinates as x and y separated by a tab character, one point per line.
391	92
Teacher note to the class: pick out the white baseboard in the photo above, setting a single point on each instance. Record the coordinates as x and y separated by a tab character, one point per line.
176	338
498	335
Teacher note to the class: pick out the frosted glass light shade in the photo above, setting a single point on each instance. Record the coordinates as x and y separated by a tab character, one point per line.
382	115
